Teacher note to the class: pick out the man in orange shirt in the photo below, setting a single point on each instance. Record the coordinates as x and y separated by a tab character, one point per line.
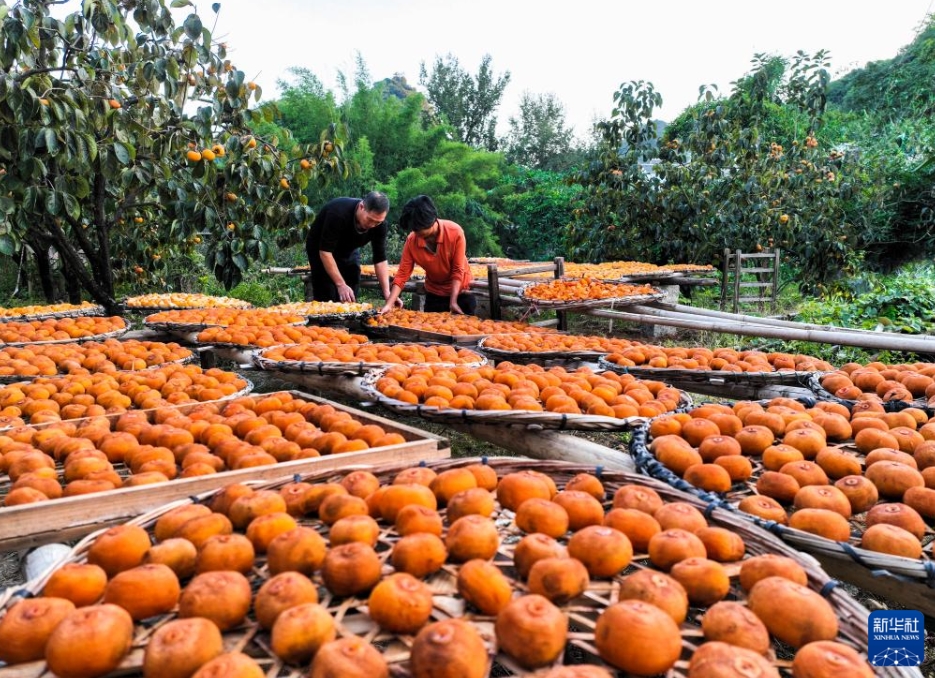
438	246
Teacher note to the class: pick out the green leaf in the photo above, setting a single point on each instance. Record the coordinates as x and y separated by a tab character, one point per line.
53	203
192	26
7	246
72	206
181	3
215	7
123	152
240	261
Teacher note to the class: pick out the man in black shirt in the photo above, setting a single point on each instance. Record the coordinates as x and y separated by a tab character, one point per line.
333	245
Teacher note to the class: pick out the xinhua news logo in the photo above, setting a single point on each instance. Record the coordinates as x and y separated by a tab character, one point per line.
896	638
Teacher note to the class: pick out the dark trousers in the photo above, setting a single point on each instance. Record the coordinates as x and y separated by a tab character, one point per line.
323	287
436	303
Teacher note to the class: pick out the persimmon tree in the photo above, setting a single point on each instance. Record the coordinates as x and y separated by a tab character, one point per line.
126	142
746	171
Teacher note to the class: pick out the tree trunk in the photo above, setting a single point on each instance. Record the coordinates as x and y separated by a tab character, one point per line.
44	266
76	269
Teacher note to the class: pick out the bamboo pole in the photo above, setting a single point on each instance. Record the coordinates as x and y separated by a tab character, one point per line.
840	337
692	310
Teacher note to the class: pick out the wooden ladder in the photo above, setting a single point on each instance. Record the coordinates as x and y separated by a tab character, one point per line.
754	271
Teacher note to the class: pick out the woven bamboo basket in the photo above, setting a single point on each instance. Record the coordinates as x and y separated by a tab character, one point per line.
536	356
777	378
400	333
610	302
359	368
352	618
72	340
246	390
67	313
854	562
540	420
16	378
813	382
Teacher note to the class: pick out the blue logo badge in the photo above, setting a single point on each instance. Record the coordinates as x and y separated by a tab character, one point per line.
896	638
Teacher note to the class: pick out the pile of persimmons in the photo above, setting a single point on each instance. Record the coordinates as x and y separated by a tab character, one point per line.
373	353
171	300
47	309
583	289
52	399
58	329
528	388
451	323
301	563
91	356
725	359
816	469
882	383
165	443
542	343
274	335
252	317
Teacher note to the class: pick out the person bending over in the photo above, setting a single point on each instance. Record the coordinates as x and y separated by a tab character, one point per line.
340	229
438	246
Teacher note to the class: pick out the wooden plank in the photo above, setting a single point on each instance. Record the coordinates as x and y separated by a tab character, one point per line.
758	270
44	522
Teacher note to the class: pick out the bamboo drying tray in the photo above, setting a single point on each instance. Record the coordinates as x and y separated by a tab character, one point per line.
813	382
401	333
609	302
359	368
69	517
246	390
65	313
351	617
71	340
540	420
16	378
535	356
895	577
716	382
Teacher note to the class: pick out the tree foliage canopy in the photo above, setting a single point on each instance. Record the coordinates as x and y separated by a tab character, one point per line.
538	137
468	103
125	141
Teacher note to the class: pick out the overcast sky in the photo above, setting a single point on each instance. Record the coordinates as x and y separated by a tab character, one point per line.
579	50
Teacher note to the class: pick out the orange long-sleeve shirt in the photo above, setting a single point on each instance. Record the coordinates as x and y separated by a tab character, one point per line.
448	263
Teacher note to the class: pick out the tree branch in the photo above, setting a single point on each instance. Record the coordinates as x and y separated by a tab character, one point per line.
33	71
76	267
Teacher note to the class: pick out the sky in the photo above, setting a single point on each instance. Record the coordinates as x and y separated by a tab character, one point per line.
579	50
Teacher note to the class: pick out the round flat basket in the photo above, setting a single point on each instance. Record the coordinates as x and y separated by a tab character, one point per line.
15	378
813	383
683	376
869	569
51	315
610	302
359	368
72	340
579	616
536	356
541	420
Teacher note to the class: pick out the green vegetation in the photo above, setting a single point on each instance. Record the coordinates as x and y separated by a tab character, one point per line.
100	196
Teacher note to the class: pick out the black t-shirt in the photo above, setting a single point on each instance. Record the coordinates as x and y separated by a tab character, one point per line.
335	230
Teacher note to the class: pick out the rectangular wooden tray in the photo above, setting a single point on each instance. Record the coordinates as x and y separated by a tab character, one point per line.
68	518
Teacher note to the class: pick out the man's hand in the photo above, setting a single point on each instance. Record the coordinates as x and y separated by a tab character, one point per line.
389	307
454	308
398	303
346	294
